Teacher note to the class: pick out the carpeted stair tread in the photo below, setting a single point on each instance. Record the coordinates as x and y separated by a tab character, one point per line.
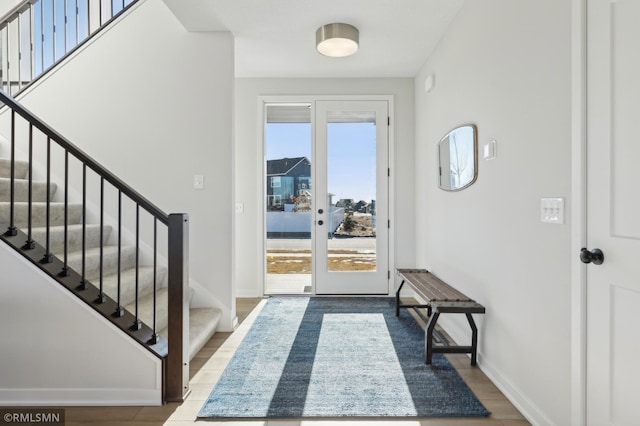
109	262
74	236
128	283
145	309
203	323
21	168
39	213
21	190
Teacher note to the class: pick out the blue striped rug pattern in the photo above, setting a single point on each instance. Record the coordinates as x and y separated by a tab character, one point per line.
337	357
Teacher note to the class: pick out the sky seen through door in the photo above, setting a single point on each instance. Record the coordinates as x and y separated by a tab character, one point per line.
352	149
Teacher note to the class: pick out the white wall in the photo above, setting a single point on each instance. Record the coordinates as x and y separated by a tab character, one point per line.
7	5
154	104
40	368
248	158
504	66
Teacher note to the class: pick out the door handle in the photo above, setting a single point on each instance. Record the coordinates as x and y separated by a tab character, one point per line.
595	256
320	211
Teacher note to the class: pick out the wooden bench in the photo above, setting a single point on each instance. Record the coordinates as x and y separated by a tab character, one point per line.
441	299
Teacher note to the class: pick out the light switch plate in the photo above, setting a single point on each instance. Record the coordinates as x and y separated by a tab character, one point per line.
552	210
489	150
429	83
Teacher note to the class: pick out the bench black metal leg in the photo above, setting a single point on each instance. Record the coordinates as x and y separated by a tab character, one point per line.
428	337
474	339
398	299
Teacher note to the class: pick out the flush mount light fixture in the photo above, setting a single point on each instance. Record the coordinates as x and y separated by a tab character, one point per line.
337	40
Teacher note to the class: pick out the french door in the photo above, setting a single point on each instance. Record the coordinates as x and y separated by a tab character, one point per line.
613	212
351	197
326	197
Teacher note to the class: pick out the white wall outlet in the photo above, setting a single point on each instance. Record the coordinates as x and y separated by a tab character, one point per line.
552	210
198	181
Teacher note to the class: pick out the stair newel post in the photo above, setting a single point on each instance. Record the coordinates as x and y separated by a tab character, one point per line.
101	297
177	364
83	281
65	268
48	257
119	309
12	231
30	244
137	324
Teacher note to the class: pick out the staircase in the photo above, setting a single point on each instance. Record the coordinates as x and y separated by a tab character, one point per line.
202	321
92	259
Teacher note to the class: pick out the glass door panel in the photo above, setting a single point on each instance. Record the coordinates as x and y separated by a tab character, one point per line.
288	185
351	197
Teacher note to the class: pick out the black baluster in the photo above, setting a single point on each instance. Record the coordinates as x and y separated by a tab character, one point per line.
119	309
137	324
48	257
30	244
83	282
65	268
154	336
101	297
12	231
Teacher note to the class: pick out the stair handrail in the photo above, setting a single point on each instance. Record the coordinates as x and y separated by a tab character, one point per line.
85	158
176	365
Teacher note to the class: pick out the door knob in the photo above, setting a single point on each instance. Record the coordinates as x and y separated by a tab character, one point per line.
320	222
595	256
320	211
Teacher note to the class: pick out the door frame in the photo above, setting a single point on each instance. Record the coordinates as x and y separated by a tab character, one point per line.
579	210
300	99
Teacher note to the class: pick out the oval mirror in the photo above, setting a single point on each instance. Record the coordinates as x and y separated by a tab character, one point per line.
457	158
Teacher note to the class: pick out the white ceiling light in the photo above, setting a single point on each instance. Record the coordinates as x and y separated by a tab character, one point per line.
337	40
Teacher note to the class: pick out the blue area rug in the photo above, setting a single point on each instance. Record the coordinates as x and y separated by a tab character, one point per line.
337	357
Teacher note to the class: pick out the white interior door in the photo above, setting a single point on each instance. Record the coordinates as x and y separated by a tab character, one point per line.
613	211
351	197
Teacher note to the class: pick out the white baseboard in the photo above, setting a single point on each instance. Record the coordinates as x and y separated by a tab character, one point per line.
461	334
248	293
79	397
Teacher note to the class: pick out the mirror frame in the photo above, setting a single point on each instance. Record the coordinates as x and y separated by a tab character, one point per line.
475	158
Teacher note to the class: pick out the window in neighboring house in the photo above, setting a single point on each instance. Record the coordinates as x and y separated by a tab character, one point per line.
275	182
274	201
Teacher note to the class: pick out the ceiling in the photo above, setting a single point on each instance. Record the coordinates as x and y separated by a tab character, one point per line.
276	38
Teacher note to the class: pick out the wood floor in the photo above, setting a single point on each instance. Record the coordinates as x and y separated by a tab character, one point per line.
208	364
